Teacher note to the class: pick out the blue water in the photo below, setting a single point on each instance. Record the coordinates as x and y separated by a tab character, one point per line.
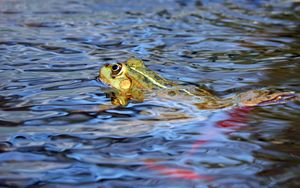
58	129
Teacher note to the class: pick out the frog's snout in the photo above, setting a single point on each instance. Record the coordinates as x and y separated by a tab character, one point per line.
101	75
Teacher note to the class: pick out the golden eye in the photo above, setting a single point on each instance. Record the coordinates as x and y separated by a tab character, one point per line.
116	69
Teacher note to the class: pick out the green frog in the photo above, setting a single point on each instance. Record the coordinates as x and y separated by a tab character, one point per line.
132	80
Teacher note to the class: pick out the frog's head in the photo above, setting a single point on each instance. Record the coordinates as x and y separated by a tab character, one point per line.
114	75
132	78
118	75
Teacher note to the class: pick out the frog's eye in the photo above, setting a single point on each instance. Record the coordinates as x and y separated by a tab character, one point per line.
116	69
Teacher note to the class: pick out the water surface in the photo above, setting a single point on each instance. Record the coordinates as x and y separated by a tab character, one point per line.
57	128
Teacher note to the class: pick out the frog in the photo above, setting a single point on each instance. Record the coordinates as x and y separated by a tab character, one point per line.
132	80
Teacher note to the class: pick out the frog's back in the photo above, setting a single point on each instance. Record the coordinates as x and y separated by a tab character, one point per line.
144	77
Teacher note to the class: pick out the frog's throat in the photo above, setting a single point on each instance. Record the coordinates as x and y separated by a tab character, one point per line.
151	79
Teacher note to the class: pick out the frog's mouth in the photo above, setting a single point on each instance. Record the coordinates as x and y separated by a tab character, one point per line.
281	99
104	75
102	79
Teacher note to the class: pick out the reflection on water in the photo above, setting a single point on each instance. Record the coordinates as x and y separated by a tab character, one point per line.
57	128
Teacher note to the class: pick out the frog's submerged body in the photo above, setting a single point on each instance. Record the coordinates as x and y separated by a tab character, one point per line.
132	80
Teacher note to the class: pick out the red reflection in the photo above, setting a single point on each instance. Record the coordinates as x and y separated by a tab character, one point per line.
237	118
197	145
177	172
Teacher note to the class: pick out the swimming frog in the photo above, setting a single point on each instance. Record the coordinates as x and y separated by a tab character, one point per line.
132	80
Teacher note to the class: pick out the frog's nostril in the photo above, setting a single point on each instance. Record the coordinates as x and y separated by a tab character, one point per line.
106	65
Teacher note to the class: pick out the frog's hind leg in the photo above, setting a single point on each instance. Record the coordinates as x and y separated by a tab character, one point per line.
265	97
282	98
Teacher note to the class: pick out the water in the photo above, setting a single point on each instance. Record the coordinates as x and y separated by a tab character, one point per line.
57	128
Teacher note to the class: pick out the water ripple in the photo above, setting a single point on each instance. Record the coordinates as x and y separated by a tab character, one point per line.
58	128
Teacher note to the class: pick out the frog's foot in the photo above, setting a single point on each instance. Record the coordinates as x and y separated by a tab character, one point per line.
118	99
265	97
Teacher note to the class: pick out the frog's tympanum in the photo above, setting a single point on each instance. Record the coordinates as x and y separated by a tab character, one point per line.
132	80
